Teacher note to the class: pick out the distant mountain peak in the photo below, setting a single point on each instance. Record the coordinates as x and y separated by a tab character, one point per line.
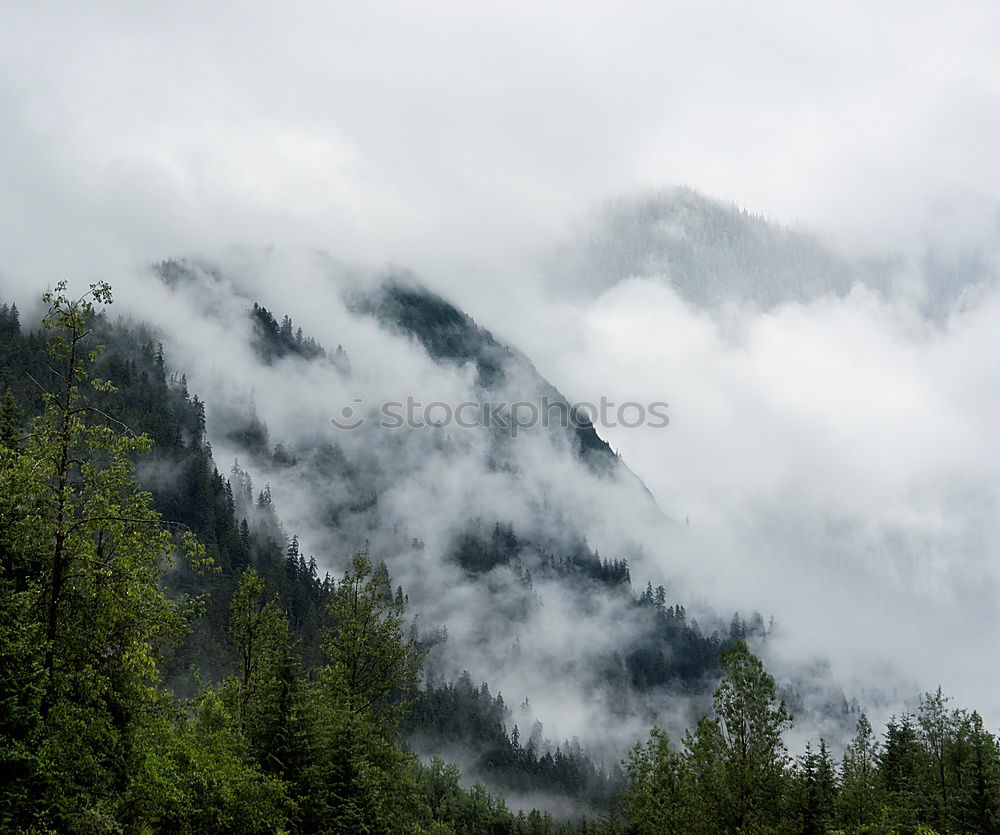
710	252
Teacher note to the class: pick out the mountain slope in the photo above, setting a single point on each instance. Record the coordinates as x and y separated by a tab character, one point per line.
521	548
451	336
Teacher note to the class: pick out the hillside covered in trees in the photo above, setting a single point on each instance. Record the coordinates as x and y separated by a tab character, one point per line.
173	661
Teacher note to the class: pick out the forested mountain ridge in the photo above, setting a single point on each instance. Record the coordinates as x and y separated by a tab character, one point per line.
449	335
238	525
279	732
540	488
305	684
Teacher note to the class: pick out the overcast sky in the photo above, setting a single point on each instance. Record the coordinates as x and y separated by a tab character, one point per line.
462	139
450	135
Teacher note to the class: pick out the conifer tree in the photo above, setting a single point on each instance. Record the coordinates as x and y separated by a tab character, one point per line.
10	422
860	801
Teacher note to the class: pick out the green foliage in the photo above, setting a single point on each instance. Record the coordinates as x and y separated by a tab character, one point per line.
196	774
360	777
462	714
861	799
661	794
733	775
936	772
371	664
815	791
84	614
10	422
751	724
258	630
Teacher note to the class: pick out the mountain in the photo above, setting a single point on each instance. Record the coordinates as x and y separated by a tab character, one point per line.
715	253
488	531
467	595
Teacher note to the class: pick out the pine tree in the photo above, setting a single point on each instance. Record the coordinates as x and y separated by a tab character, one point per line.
751	722
937	730
10	422
371	664
902	768
860	801
660	792
256	629
365	781
292	557
817	790
977	804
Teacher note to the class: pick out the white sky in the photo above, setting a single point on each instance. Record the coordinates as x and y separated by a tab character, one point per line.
447	135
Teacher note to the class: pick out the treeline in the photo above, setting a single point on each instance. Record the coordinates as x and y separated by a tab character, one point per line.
449	335
273	341
478	552
461	713
668	650
935	771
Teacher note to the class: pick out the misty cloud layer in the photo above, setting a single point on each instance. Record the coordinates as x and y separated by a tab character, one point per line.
836	458
835	451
